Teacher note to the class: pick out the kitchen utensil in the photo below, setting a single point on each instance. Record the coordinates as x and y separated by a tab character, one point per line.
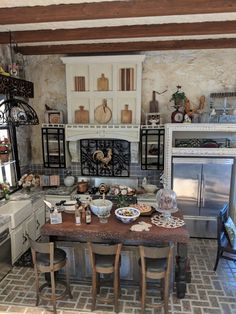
102	113
82	186
153	104
126	115
81	115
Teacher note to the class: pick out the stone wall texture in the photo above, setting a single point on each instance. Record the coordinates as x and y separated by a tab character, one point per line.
199	72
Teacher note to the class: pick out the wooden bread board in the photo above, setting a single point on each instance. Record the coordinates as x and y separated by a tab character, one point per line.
102	114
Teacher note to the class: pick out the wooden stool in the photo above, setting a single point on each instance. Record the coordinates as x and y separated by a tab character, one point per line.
156	263
47	259
105	259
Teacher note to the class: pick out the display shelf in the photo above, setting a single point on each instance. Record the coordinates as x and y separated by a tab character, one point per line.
115	79
152	148
53	145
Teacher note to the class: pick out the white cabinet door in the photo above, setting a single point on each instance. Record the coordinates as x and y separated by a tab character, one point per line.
39	220
17	242
29	230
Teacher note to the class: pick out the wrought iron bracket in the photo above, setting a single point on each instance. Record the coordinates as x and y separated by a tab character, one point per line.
12	86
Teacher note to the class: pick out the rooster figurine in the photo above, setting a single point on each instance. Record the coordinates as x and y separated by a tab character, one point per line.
99	155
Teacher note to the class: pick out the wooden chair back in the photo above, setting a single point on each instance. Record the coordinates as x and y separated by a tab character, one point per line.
104	250
221	219
44	248
157	254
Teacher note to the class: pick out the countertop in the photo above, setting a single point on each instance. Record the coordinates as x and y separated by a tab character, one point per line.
114	230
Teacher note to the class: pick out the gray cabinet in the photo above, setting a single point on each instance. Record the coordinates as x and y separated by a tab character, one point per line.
78	254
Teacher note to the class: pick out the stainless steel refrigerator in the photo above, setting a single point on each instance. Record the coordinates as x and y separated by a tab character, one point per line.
202	186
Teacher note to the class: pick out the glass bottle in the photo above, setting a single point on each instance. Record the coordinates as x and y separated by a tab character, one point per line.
78	212
88	217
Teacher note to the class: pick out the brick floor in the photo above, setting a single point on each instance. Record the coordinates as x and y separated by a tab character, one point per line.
208	293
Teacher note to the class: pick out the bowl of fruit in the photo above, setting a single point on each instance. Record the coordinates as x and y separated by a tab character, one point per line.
127	214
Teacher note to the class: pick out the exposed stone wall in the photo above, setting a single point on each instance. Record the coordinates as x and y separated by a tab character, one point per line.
48	75
199	72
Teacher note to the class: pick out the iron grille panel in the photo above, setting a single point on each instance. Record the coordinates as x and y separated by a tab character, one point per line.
116	166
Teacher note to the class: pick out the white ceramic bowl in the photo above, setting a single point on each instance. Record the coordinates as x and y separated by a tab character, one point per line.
101	207
127	214
150	188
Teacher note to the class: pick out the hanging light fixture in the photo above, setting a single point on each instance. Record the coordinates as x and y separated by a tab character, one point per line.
17	112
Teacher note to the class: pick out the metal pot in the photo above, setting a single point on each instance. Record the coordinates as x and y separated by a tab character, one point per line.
82	186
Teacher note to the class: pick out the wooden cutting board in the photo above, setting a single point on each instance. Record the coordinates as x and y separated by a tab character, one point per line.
126	115
102	113
153	104
81	115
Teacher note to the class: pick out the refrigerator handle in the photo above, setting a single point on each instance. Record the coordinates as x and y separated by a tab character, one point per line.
203	190
198	191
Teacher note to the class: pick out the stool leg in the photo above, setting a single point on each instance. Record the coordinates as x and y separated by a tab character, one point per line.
68	280
94	290
119	287
53	287
36	285
116	292
143	294
98	282
166	296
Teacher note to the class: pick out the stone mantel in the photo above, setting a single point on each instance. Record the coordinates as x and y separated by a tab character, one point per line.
76	132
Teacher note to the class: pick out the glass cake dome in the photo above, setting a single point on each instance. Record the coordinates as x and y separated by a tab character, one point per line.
166	200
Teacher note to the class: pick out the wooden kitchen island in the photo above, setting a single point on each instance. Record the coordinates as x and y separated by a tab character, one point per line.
72	238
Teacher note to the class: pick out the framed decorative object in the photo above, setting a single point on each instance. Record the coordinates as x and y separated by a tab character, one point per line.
152	118
53	116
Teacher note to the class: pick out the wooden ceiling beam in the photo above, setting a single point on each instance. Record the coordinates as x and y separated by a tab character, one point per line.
135	31
129	47
113	9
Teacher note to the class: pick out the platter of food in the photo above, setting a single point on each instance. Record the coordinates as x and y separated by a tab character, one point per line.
145	210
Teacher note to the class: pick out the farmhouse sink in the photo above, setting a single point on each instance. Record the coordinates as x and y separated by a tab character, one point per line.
17	210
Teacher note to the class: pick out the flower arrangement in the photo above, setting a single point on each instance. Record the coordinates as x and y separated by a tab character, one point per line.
5	189
29	180
4	149
4	145
5	186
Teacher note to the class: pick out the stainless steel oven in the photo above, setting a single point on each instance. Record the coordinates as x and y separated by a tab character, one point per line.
5	252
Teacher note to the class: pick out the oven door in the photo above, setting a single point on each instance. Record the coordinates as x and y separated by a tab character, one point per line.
5	253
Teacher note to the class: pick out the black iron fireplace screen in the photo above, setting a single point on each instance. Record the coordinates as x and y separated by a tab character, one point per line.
107	158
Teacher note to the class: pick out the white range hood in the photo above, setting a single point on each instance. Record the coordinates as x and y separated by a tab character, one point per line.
76	132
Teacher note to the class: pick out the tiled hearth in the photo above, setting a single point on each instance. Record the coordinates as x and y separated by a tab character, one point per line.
209	292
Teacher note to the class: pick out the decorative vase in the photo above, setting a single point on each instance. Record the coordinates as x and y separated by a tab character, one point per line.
6	194
69	181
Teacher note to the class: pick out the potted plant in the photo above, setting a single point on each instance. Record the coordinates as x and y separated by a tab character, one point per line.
179	99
